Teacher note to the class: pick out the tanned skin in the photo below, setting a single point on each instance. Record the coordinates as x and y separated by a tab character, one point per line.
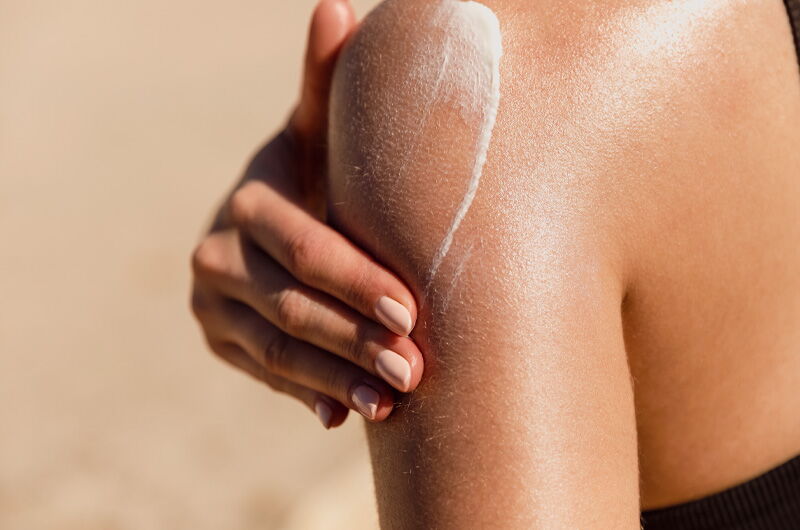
616	325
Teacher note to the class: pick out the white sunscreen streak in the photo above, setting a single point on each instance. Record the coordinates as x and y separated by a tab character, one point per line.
478	26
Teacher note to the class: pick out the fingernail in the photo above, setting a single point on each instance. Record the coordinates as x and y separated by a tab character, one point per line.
366	401
393	315
324	413
394	368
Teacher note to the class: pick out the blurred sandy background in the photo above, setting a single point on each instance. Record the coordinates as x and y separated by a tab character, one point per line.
121	124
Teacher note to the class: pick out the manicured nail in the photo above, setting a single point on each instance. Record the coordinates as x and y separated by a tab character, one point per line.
366	401
394	368
393	315
324	413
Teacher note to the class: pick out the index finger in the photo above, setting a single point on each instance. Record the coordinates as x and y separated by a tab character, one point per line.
322	258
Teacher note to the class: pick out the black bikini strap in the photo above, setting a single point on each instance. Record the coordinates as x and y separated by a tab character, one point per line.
770	501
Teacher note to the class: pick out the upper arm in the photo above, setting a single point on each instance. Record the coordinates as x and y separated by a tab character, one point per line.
638	143
525	416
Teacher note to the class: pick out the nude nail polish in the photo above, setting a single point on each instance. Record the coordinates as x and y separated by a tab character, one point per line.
324	413
393	315
394	369
366	401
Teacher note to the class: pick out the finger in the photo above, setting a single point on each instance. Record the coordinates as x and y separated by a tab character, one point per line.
331	24
207	308
304	364
330	412
322	258
253	278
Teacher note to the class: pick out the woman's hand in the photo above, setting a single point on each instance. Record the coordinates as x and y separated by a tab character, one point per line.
281	295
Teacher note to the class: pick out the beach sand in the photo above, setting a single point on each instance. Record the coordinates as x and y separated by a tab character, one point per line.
121	125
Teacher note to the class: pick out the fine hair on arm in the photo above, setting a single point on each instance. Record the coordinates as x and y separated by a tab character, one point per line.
524	417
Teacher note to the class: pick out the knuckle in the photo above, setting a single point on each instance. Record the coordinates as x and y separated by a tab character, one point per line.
207	257
354	350
301	251
357	290
335	382
291	311
242	204
276	352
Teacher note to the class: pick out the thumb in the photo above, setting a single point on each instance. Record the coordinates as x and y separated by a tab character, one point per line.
331	24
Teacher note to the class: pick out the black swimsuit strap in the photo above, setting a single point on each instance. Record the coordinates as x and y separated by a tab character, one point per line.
770	501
